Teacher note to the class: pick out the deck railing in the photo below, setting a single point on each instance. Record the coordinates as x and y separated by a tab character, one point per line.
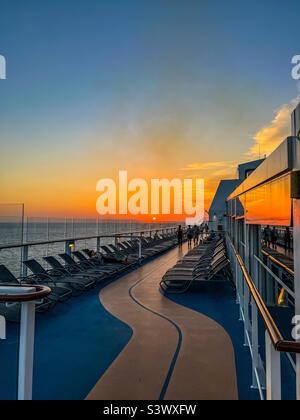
266	377
70	242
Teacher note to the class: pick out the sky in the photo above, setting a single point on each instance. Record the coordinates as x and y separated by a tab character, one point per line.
160	88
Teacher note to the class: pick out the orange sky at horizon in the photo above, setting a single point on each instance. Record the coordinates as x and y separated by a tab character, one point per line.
56	186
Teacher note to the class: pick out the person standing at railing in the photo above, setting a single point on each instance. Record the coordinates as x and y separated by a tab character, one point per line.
267	236
201	233
287	240
179	235
196	234
189	235
274	238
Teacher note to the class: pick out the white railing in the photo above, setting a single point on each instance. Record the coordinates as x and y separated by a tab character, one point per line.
266	377
70	242
26	296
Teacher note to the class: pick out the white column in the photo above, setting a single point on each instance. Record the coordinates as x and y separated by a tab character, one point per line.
296	214
254	339
246	241
26	351
140	248
273	371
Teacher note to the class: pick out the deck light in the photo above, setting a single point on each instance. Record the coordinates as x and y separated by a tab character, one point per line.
281	297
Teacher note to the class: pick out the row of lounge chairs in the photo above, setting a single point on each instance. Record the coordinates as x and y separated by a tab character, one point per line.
205	262
72	275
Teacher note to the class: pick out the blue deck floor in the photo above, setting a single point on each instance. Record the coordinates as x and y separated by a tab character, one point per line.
75	343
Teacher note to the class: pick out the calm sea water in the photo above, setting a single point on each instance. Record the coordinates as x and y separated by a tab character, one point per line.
14	233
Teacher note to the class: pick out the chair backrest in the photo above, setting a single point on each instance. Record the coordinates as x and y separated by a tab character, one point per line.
134	244
130	246
106	249
6	276
218	268
217	259
80	256
54	263
36	268
115	249
68	259
145	242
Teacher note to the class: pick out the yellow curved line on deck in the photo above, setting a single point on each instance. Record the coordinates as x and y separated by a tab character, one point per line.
205	368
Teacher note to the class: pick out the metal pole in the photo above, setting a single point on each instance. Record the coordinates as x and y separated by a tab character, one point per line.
22	237
24	258
26	350
140	247
98	244
254	339
273	370
296	214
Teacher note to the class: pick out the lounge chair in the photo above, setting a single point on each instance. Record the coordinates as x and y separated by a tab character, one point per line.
79	281
85	268
12	311
95	263
41	276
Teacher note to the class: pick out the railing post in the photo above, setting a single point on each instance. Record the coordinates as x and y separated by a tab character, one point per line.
254	340
98	244
24	258
247	245
273	371
140	246
26	351
237	283
246	313
296	245
116	242
239	288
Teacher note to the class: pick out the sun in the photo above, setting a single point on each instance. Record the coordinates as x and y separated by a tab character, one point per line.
153	218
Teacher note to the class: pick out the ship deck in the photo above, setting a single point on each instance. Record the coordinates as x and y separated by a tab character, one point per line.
127	341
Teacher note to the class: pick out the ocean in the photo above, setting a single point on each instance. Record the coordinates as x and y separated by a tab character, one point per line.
37	229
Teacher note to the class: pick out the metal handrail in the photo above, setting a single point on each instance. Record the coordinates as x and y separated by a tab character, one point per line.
82	238
289	270
40	293
277	339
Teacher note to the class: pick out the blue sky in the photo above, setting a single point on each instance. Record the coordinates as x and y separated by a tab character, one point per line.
88	79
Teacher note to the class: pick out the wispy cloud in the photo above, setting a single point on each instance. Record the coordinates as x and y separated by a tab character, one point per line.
208	166
212	172
271	135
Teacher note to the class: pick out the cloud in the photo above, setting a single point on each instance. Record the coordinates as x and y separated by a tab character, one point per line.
270	136
212	172
212	166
